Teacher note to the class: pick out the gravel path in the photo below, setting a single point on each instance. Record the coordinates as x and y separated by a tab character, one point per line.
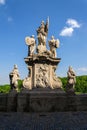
43	121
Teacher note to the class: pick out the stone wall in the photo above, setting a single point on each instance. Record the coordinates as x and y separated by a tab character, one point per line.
45	101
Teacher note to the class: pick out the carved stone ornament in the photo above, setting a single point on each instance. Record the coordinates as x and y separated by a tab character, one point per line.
43	61
56	81
42	76
27	83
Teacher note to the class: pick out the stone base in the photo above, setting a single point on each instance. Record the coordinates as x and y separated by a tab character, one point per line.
45	90
42	101
42	72
70	89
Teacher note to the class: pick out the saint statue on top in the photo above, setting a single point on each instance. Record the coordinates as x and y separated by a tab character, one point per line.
42	32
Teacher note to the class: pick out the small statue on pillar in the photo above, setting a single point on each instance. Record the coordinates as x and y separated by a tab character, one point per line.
71	81
53	44
14	77
30	41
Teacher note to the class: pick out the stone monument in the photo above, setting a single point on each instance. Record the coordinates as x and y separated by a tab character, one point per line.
42	64
71	81
14	77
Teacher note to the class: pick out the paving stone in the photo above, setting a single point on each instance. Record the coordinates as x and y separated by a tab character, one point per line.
43	121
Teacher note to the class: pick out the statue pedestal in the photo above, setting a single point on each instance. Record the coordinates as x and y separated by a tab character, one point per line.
42	72
41	100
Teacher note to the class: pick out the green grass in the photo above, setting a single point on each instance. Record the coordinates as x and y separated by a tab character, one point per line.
78	93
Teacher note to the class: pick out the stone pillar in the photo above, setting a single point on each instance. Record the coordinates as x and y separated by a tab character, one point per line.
42	71
12	101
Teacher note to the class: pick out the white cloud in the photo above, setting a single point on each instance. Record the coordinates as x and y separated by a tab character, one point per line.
10	19
73	23
83	69
2	2
69	29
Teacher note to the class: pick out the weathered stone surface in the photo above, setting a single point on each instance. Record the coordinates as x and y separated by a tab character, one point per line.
42	100
23	102
42	72
12	101
3	102
43	121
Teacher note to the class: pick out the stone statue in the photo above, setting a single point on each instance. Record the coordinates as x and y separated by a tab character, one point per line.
14	77
43	64
71	80
42	32
30	41
53	44
41	49
27	81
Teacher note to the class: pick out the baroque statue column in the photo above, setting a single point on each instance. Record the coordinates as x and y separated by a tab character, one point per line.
42	65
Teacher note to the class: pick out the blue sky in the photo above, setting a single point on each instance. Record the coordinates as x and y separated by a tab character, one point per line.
21	18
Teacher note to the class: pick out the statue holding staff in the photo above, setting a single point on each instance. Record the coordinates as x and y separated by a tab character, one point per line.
42	32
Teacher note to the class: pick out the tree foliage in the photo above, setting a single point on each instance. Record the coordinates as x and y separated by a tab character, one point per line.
20	84
4	88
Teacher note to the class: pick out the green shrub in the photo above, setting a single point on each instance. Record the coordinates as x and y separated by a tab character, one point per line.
64	82
20	82
5	88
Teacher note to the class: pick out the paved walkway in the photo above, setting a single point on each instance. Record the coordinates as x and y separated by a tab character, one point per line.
44	121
